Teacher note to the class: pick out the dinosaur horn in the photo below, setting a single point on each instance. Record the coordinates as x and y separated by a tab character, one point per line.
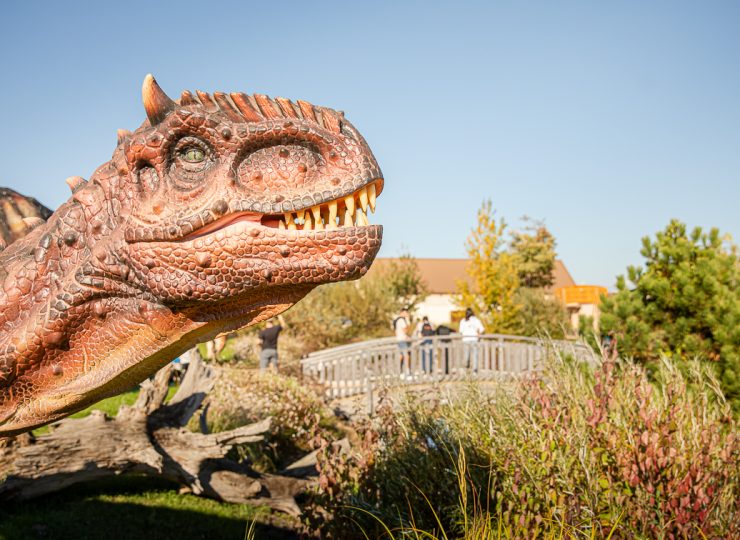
156	102
75	182
123	134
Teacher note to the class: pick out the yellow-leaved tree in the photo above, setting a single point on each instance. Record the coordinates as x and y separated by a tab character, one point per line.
491	289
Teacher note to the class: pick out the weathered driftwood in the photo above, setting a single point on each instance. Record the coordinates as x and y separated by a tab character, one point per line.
147	438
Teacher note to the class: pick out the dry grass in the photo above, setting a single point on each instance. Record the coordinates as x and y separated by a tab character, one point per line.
570	453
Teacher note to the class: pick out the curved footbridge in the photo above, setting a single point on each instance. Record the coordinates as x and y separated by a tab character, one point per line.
358	368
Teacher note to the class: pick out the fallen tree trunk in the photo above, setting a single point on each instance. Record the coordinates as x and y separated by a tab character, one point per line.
147	438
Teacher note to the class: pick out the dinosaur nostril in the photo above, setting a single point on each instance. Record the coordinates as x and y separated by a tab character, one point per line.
220	207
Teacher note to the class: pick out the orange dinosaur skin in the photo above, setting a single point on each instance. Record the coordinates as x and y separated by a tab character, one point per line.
218	212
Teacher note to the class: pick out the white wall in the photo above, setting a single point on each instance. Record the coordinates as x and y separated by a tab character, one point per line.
437	307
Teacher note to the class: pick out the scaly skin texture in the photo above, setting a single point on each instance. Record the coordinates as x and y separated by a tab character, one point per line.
193	228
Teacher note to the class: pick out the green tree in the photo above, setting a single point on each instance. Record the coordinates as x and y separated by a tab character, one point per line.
534	253
540	314
493	274
406	282
683	303
340	313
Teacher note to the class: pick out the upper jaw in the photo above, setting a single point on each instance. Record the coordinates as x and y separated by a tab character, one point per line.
351	210
346	206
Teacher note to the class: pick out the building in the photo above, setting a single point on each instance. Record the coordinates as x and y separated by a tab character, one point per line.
442	276
581	301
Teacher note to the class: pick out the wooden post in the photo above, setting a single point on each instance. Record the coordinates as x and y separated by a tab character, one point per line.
369	390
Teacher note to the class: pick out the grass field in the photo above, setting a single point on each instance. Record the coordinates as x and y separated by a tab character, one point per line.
109	406
135	508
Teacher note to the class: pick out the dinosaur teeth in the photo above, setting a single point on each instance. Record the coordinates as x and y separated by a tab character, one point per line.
363	199
316	211
349	211
349	203
332	223
362	218
371	196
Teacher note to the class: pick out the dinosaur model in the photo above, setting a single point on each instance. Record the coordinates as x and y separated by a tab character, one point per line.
18	216
220	211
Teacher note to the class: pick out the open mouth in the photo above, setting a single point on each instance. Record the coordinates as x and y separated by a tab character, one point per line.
349	211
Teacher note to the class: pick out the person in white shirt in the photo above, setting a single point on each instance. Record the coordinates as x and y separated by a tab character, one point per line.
471	328
401	328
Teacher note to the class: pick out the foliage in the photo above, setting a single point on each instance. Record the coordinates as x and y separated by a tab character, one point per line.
685	302
493	273
339	313
242	396
507	281
406	282
540	314
534	255
570	451
587	331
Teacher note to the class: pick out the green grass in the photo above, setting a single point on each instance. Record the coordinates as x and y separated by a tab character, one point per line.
135	508
109	406
228	354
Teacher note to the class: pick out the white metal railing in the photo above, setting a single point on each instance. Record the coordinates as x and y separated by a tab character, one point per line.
358	367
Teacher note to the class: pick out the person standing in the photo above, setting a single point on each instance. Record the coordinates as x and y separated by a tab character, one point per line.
401	329
425	331
444	344
269	342
471	328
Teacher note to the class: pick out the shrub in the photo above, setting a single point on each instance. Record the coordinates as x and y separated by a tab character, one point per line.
684	302
339	313
569	450
243	396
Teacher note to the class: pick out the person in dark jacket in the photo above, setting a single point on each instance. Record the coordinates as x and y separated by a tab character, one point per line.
425	331
268	341
443	330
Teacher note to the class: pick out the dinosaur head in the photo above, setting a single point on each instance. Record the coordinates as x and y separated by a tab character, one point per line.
239	201
218	212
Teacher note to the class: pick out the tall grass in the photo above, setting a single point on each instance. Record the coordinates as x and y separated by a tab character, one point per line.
568	453
242	396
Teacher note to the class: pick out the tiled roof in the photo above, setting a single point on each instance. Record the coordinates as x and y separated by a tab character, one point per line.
442	275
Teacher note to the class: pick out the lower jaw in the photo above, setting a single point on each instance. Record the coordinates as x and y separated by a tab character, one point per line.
58	403
117	376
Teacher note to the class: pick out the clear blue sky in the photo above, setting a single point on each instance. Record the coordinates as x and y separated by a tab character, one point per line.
605	119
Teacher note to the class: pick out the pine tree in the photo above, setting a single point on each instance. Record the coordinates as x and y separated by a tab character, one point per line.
534	253
683	303
493	274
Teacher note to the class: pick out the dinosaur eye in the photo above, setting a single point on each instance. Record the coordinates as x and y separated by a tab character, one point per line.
191	158
193	155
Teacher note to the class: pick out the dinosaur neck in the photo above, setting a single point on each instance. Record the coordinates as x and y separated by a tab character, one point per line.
48	285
